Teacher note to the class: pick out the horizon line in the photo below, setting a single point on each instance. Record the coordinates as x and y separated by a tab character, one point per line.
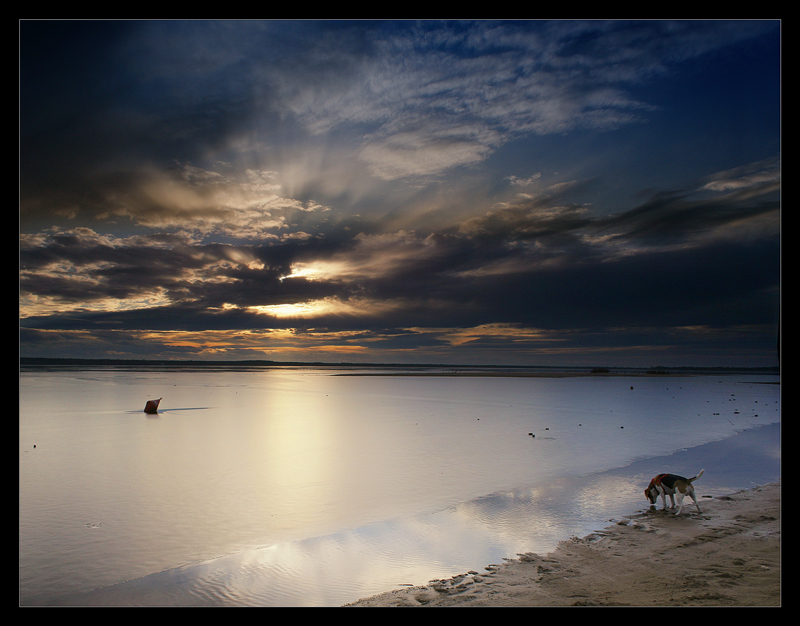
28	360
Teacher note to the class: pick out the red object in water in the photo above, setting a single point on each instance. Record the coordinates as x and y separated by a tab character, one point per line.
152	406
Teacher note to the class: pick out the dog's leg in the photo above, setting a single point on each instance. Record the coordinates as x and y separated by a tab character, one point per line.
691	493
691	489
663	498
679	495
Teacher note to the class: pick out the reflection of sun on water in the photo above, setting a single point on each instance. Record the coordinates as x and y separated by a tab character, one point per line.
296	461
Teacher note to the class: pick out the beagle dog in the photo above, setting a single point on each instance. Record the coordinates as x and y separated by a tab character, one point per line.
673	486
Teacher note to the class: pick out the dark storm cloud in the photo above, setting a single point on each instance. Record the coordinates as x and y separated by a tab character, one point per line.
671	261
213	274
673	216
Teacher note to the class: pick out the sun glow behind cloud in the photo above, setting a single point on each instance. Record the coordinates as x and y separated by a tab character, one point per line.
304	310
331	306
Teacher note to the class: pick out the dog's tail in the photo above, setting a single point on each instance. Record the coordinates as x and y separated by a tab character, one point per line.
694	478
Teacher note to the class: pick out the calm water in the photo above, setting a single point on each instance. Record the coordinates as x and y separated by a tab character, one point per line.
302	488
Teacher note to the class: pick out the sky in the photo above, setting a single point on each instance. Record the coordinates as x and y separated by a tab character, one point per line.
545	193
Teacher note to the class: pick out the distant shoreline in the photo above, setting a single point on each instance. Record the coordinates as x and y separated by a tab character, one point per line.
547	374
386	369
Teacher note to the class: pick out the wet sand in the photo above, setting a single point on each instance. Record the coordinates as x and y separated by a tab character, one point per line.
727	555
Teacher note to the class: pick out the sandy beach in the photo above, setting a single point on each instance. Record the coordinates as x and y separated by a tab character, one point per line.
727	555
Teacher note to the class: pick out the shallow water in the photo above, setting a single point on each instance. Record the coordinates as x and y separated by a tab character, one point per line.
294	487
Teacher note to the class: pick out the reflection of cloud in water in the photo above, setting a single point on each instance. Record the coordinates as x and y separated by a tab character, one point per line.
536	519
